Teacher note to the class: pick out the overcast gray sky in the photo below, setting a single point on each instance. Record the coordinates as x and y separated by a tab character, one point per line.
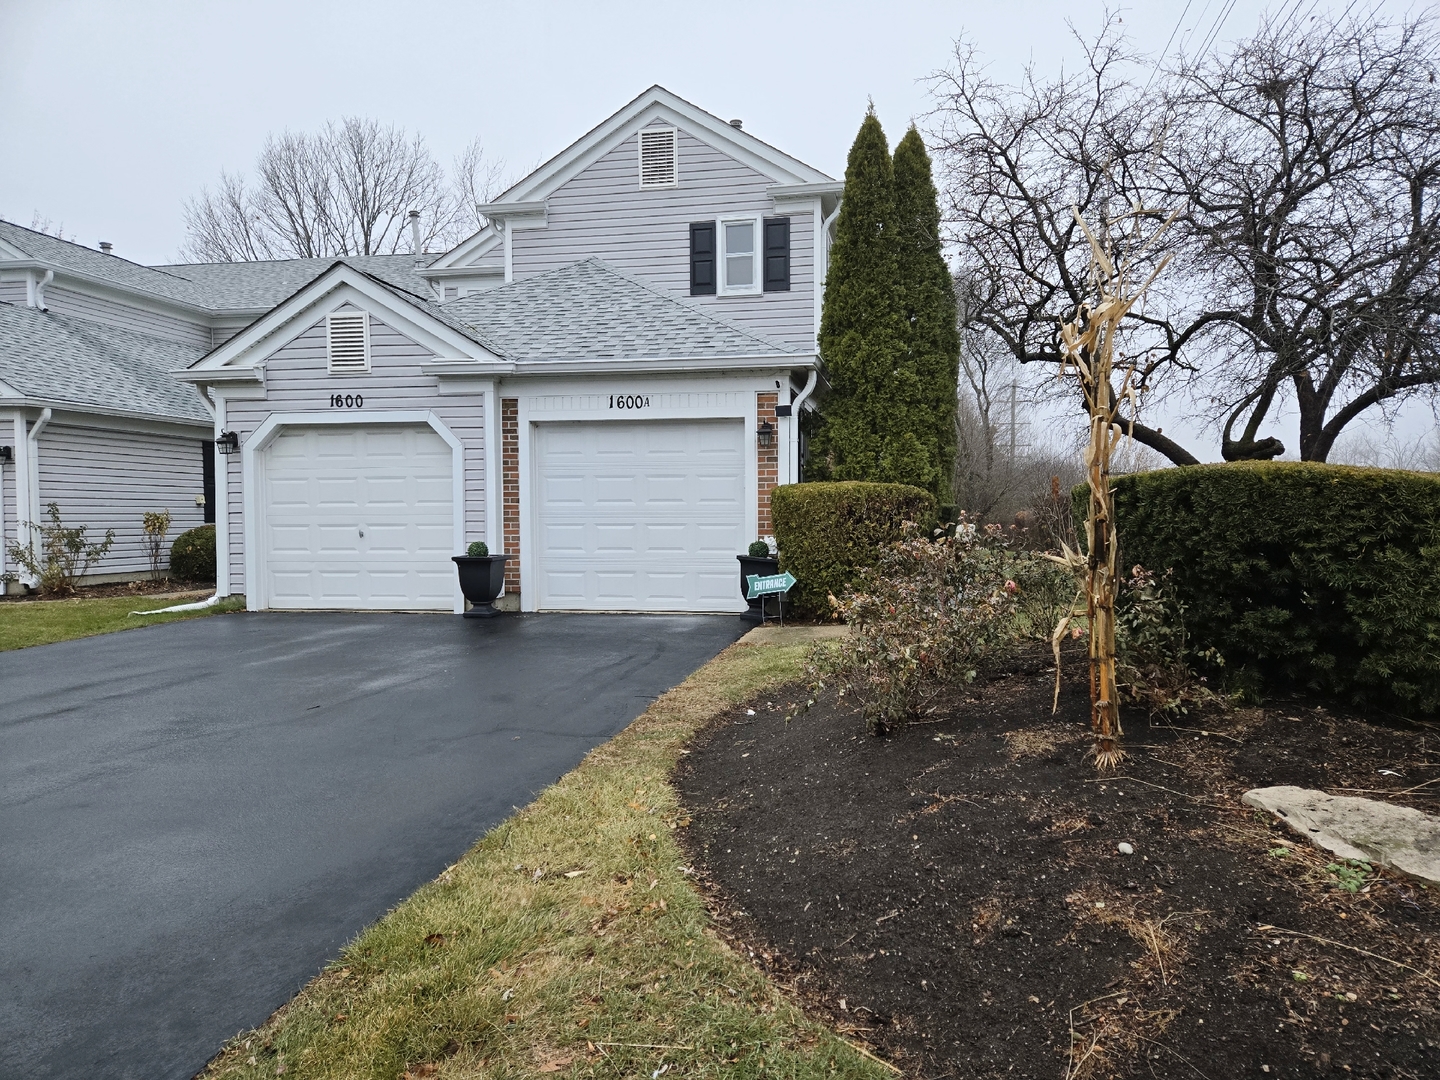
112	114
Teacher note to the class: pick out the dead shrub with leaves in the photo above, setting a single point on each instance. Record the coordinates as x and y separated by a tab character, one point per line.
925	617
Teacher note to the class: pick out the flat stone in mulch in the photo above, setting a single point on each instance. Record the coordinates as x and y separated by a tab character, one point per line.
1398	838
956	897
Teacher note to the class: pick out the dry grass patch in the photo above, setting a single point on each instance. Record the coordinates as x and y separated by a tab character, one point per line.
568	942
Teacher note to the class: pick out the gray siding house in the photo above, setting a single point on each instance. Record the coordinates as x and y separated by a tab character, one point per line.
603	383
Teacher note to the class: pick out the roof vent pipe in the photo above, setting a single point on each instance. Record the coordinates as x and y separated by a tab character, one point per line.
415	234
737	124
106	247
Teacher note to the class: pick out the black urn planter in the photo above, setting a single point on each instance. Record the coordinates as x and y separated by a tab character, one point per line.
482	577
763	565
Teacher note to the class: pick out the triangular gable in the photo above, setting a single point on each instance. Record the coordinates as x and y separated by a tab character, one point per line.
659	104
339	285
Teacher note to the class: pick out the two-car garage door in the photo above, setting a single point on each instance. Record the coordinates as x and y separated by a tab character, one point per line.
358	517
639	516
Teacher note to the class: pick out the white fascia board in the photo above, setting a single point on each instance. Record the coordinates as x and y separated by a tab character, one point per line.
667	366
793	192
466	272
467	368
483	242
227	376
123	419
339	285
503	210
657	103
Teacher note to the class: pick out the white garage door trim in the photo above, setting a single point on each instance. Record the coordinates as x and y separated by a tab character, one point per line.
712	585
275	423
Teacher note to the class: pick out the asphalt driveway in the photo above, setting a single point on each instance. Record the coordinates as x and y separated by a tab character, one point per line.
195	817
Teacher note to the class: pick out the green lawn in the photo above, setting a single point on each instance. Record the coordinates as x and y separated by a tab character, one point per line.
569	942
41	622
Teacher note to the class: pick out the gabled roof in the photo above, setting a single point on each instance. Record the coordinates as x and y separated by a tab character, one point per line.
60	360
659	103
260	285
435	328
589	311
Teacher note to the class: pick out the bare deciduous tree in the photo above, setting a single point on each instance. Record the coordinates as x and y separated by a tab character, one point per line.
345	190
1308	159
1306	262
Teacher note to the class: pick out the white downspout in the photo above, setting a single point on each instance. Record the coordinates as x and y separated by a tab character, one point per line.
31	505
40	290
22	482
795	414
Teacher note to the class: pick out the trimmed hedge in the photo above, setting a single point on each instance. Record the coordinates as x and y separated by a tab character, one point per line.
1325	577
192	556
828	533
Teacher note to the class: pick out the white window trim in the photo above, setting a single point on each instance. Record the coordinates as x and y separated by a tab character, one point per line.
674	134
721	257
329	352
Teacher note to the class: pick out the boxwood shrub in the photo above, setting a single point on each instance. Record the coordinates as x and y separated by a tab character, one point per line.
1325	577
828	533
192	555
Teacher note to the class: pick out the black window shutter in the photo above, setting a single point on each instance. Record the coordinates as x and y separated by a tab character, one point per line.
207	478
777	254
702	258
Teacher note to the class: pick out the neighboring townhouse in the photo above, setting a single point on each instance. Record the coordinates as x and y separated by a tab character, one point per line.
91	415
603	383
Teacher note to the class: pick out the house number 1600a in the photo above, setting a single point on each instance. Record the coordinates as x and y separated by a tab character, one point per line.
629	401
346	401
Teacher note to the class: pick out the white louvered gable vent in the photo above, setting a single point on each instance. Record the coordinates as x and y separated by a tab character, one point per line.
657	158
348	341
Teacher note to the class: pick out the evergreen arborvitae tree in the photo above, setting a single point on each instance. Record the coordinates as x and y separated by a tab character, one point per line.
884	418
928	298
863	333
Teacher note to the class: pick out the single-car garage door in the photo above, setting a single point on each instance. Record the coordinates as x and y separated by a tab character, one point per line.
357	517
640	515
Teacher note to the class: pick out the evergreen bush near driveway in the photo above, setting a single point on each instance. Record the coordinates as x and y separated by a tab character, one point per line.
829	533
192	556
1320	576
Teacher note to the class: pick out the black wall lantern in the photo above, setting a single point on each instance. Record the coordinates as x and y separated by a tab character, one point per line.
7	453
765	433
228	442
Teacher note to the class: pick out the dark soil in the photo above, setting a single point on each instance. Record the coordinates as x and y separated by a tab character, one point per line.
954	897
117	588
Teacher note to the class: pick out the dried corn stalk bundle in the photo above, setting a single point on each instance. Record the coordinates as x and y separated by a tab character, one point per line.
1088	346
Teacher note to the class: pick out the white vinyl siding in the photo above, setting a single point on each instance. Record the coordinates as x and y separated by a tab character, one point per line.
603	213
297	380
67	302
108	479
639	515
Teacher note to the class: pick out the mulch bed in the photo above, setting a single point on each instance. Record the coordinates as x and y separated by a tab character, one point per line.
953	896
117	588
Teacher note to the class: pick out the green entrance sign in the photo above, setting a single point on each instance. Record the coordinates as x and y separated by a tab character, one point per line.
768	584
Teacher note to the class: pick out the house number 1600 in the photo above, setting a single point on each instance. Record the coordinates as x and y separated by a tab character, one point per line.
346	401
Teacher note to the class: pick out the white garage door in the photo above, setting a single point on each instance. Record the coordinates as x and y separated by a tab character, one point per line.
640	516
358	517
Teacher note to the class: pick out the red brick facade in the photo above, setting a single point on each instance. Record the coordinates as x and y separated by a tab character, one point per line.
767	458
510	489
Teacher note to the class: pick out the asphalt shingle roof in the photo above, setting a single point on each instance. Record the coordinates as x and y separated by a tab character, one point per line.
64	360
250	286
97	264
589	311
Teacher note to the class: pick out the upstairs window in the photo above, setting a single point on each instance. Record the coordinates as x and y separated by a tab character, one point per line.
738	266
739	256
658	158
348	341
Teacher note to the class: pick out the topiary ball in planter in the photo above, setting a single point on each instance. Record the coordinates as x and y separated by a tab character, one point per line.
482	578
759	550
192	555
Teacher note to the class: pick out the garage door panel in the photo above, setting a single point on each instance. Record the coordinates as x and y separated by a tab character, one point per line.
651	518
321	486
